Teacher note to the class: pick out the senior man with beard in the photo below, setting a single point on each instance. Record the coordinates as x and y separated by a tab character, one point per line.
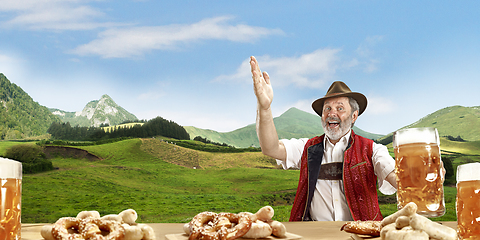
339	171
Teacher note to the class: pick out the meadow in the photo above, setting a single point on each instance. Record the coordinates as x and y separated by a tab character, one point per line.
129	177
164	182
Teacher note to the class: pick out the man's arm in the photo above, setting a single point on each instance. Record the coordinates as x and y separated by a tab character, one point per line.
392	179
266	132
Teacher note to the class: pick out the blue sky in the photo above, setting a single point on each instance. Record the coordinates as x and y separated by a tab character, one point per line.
187	61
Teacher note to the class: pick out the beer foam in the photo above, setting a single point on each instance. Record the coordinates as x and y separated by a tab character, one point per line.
468	172
415	135
10	168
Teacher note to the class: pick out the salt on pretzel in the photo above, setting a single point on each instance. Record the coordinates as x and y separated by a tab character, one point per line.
213	226
98	229
62	226
241	225
89	225
199	226
371	228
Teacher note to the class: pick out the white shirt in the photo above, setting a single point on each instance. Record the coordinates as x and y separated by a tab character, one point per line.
329	202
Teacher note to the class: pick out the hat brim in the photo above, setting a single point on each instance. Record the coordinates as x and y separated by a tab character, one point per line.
317	105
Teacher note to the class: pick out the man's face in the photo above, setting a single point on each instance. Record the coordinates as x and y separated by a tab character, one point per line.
337	117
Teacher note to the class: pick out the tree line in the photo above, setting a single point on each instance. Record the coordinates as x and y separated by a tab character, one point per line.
207	141
154	127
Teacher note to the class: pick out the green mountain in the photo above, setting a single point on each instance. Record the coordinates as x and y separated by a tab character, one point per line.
104	111
293	123
20	116
452	121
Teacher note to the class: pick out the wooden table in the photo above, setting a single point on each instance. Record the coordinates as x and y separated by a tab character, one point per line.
307	230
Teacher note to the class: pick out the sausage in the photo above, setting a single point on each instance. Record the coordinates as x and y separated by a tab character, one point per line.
433	229
408	210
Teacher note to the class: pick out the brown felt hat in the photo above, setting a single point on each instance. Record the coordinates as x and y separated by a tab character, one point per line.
340	89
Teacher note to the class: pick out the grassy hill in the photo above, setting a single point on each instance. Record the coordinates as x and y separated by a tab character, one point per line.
158	179
20	116
147	175
450	121
294	123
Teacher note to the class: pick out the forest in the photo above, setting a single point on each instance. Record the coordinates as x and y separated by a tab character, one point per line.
155	127
20	116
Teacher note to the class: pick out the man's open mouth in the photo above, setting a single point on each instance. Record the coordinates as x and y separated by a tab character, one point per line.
333	124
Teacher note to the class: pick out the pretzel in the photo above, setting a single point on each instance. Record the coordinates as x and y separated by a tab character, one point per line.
213	226
98	229
88	225
199	226
371	228
67	228
241	225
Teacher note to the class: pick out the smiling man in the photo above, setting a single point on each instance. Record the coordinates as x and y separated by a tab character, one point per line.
339	171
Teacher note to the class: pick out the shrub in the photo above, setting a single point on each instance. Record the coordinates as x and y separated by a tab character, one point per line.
31	156
450	171
457	139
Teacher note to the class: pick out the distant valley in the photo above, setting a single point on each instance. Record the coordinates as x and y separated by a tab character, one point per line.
293	123
24	118
455	121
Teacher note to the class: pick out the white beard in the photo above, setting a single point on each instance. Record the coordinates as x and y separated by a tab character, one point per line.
336	134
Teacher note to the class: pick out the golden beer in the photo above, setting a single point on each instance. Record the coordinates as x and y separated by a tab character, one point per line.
10	199
468	201
418	169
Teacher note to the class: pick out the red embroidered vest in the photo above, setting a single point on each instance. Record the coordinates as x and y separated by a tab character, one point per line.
359	179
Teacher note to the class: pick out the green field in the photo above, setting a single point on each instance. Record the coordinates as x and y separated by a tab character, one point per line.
129	177
159	181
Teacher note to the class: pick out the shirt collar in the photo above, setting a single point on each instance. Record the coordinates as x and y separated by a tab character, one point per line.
343	139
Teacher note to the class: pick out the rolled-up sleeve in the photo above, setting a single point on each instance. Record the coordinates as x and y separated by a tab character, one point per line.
294	148
383	164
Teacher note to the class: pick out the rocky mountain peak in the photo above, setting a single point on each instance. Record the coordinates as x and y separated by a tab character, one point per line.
97	112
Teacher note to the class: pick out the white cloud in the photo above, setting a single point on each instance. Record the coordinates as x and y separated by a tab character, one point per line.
380	105
310	70
366	53
135	41
53	15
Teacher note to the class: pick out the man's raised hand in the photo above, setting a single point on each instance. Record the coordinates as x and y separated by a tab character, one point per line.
261	85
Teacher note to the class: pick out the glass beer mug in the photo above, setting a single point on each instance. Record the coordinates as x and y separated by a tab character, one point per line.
10	199
468	201
418	167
